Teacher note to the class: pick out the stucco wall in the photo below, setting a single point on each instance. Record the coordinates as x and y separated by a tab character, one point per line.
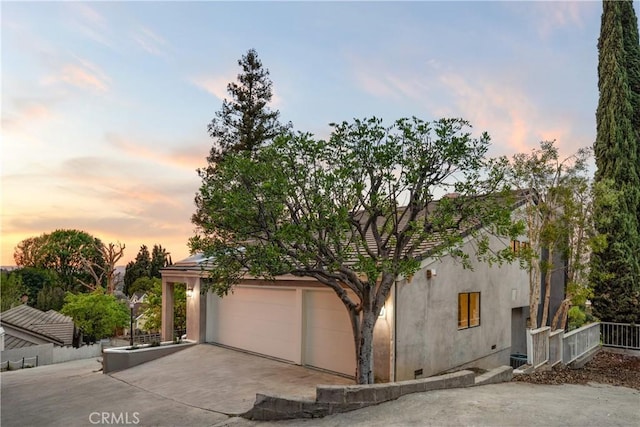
427	315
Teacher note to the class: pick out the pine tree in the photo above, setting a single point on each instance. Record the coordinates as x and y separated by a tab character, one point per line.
616	268
242	125
140	267
245	121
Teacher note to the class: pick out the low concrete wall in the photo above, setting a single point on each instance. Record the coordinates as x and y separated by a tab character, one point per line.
119	358
584	358
501	374
337	399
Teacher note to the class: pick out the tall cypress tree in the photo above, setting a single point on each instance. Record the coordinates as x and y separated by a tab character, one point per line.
616	268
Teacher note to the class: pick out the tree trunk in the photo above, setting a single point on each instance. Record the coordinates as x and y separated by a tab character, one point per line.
547	288
364	349
534	295
561	313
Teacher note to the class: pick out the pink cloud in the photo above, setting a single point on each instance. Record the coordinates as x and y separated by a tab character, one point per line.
81	74
187	156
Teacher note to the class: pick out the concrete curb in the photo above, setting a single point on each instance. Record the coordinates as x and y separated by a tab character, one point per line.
336	399
582	360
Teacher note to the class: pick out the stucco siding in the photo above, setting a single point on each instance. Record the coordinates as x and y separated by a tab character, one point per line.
428	337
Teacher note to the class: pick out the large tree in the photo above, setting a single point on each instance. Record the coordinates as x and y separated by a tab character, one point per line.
103	272
96	314
615	269
354	212
560	235
245	121
63	251
11	290
145	266
139	267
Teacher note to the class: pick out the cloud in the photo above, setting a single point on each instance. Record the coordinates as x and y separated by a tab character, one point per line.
552	16
185	156
150	41
89	22
215	85
82	74
113	199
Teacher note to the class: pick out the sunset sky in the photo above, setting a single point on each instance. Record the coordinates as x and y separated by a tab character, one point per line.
105	105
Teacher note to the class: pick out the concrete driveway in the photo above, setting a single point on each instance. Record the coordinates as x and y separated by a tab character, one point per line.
199	386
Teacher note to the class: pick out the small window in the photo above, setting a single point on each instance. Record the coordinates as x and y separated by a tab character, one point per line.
468	310
517	246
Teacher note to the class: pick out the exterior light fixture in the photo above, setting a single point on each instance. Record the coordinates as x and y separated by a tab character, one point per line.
189	290
383	312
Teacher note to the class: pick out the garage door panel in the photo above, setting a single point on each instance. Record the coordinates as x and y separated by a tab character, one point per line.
257	320
328	340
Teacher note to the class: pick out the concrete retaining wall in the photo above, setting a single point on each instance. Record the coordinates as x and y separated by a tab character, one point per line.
336	399
501	374
119	358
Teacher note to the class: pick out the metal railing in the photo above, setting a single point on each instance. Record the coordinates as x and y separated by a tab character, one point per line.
155	337
580	341
620	335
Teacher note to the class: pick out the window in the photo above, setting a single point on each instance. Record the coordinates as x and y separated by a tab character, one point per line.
468	310
517	246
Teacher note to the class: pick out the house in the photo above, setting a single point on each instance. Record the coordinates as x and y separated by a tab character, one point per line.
25	326
138	299
442	318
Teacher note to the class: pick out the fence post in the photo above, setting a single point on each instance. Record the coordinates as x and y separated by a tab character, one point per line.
22	363
36	360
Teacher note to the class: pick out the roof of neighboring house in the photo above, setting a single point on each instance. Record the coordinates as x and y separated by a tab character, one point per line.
14	342
139	296
51	325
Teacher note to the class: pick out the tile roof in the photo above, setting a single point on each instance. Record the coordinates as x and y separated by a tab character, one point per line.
423	249
50	325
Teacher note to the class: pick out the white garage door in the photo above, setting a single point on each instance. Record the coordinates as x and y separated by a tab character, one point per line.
328	339
260	320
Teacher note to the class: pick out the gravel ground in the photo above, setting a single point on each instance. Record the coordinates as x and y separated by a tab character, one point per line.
605	368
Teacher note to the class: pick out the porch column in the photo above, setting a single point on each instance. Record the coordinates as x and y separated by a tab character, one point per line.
167	310
196	311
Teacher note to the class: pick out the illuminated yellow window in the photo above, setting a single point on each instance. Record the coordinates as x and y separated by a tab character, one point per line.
468	310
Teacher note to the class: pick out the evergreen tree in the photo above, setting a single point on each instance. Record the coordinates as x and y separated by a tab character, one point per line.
160	258
242	125
245	121
140	267
615	270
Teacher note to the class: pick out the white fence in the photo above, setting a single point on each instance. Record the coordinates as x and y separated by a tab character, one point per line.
47	354
538	346
555	347
544	346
